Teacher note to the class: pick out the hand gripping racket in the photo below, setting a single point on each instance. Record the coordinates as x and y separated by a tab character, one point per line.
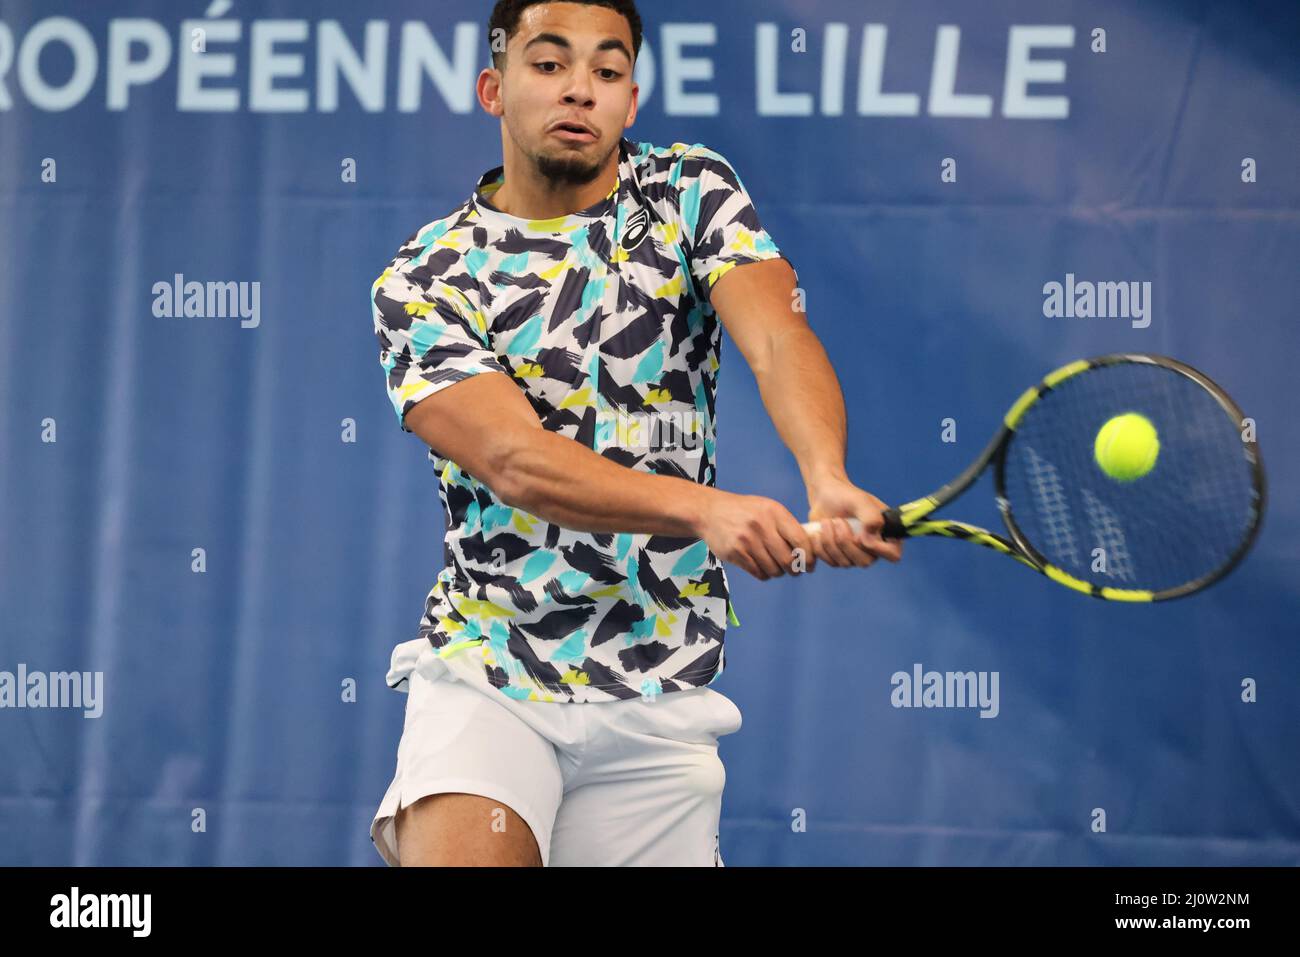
1174	530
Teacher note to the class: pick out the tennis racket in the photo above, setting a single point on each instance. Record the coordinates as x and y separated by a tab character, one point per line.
1175	530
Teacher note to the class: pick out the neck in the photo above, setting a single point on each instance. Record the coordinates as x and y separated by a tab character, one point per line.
529	195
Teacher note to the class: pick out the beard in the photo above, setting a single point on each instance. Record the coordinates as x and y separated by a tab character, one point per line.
570	170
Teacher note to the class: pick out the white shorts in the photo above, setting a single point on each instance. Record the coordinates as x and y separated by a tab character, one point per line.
609	783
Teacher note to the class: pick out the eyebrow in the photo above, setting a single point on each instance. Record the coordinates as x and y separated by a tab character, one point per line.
612	43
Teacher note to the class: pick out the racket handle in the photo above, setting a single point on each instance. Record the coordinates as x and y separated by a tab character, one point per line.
893	527
814	527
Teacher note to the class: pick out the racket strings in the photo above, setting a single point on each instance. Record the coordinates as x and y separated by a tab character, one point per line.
1182	521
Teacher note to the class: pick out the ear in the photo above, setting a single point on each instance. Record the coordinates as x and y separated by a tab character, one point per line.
488	89
632	107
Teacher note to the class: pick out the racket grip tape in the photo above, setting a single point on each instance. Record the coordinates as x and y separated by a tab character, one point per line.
892	528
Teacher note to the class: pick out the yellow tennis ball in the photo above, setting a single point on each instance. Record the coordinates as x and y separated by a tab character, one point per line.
1127	447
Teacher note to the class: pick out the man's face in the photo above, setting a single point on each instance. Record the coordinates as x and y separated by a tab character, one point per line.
569	64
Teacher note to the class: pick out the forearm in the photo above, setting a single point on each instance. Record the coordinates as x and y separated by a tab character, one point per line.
566	483
803	398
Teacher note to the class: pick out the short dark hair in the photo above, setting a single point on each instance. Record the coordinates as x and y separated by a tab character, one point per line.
506	14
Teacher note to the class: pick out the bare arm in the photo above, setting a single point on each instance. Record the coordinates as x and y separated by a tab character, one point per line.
564	482
803	398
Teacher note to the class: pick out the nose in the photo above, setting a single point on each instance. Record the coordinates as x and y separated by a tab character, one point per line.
580	91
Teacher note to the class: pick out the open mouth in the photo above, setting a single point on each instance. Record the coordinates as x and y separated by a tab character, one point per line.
574	133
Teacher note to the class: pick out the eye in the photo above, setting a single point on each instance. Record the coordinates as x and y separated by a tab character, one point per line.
546	63
613	74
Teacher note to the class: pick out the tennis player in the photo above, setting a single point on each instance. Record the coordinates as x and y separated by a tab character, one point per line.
555	342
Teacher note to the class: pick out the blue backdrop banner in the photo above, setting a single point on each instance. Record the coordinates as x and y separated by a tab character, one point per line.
215	522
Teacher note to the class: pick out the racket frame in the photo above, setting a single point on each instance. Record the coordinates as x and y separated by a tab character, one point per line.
912	519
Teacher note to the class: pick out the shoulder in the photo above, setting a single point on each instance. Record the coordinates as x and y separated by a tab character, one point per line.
675	177
678	162
434	252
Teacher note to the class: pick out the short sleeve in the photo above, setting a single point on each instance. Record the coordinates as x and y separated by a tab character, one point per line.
718	218
428	339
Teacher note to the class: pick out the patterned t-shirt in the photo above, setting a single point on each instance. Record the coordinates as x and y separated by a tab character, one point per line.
602	319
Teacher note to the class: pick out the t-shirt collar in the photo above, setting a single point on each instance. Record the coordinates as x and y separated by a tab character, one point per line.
492	180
